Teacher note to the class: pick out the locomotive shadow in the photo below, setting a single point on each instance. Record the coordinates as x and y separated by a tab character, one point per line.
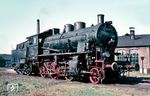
121	80
133	80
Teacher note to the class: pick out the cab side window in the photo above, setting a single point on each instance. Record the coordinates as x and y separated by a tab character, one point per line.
33	41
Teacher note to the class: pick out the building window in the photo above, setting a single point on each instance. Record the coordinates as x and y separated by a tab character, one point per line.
131	56
134	57
122	56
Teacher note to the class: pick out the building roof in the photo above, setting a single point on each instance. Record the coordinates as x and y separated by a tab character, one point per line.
6	56
139	41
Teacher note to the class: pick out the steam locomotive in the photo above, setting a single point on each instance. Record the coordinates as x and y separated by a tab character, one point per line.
78	52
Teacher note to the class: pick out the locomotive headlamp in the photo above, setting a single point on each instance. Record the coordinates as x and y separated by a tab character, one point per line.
114	66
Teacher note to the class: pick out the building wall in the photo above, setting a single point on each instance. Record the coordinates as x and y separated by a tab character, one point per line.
141	51
144	52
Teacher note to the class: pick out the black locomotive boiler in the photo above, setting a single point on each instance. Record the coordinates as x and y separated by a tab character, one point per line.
78	52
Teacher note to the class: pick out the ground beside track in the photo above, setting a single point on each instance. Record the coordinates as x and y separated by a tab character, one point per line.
136	85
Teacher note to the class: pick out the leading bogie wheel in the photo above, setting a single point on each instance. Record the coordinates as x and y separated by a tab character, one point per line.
95	77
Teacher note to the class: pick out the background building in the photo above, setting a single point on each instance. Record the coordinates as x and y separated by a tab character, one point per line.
135	48
5	60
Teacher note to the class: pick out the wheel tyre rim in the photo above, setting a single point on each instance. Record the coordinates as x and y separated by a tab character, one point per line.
69	78
43	71
53	76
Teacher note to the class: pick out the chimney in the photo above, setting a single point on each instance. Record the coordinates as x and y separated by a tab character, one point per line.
132	33
100	18
38	26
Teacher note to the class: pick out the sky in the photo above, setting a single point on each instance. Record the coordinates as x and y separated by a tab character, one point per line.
18	17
